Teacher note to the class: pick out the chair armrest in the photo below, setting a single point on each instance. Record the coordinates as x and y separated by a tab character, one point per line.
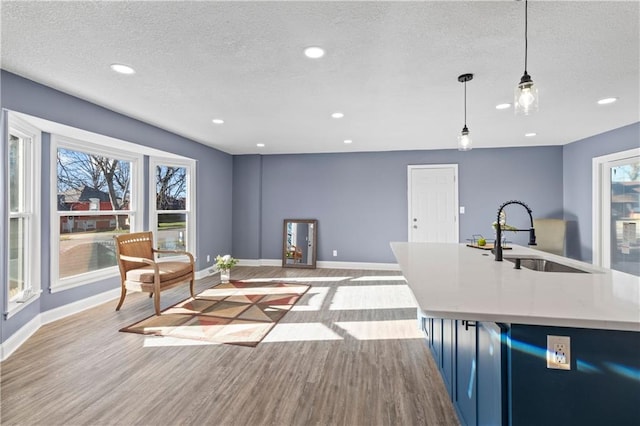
179	252
137	259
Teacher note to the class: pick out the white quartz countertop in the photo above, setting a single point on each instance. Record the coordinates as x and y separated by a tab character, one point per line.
459	282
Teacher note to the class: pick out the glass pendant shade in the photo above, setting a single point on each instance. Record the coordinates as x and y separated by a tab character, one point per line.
525	99
464	140
526	96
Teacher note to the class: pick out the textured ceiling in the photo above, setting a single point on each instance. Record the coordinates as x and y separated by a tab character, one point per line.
390	67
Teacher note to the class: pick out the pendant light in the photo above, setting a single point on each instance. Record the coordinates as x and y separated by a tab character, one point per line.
464	140
526	94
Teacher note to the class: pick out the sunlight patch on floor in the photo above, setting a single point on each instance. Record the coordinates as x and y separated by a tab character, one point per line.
164	341
380	278
217	292
373	297
312	300
301	332
382	330
296	279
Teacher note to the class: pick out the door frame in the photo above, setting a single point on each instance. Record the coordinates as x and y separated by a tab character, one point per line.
456	218
601	197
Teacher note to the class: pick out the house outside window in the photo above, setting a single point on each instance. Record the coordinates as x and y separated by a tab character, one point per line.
96	200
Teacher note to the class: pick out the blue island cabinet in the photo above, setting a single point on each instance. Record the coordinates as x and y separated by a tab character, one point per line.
496	374
441	341
492	374
465	394
471	358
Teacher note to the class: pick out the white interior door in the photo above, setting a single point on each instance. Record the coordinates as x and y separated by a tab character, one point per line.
433	203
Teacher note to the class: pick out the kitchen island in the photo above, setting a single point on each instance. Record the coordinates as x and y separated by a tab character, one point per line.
487	325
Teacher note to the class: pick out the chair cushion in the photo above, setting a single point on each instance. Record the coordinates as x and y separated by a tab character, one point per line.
168	271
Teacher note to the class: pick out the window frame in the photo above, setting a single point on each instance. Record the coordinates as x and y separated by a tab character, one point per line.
31	210
601	201
189	211
116	150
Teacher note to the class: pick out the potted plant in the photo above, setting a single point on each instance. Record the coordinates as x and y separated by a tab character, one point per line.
224	265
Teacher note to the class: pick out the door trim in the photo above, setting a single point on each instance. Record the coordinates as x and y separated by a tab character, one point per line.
455	195
599	164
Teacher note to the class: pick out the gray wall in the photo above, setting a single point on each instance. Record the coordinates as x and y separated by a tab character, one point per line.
577	174
360	199
213	192
247	173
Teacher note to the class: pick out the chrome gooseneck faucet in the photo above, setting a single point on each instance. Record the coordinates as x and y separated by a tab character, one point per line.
532	232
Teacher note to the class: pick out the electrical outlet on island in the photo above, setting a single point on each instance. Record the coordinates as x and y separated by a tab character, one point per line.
558	352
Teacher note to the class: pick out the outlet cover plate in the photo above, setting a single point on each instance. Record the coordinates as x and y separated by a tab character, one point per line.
559	352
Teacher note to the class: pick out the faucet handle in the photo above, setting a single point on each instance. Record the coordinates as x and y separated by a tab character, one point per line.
532	237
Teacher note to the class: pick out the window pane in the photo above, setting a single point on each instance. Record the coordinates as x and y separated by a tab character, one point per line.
172	231
171	188
86	242
625	218
92	182
16	173
17	250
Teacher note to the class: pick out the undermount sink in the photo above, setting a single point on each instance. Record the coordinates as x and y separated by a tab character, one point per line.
544	265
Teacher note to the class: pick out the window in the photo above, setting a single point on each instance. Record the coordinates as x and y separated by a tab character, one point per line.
172	216
23	279
96	199
617	211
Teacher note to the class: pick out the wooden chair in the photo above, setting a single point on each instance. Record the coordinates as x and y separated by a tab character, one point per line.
140	271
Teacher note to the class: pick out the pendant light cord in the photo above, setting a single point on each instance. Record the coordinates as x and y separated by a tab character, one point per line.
465	104
526	44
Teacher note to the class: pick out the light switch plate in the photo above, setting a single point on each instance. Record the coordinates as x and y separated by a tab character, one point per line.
559	352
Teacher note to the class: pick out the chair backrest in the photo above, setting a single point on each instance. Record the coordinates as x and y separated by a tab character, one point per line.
139	244
297	252
551	235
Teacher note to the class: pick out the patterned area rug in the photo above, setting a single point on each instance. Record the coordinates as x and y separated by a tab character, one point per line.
237	313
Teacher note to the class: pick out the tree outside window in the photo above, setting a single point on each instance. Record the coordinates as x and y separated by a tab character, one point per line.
94	194
171	207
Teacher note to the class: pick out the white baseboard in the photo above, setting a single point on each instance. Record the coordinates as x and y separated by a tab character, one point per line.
20	336
79	306
206	272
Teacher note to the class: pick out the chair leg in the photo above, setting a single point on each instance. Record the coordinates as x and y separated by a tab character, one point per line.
156	302
191	288
150	295
123	293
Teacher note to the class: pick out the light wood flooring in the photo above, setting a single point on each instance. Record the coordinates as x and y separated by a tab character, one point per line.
324	365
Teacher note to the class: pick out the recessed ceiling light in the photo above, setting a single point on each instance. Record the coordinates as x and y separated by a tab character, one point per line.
530	135
503	106
123	69
337	115
606	101
348	141
217	121
314	52
260	145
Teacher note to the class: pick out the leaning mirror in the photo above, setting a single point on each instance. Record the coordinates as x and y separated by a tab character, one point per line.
299	243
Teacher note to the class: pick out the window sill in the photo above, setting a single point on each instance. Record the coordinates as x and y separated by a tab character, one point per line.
84	279
15	307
